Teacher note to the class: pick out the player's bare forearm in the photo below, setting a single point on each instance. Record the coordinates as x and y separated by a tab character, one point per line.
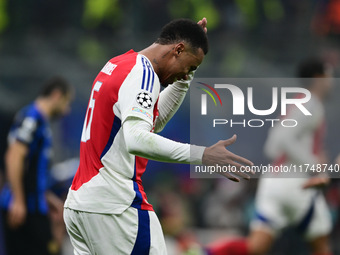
318	181
321	180
53	200
15	157
56	205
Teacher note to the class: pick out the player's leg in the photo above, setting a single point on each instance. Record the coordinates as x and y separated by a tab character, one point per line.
268	220
157	246
269	217
320	246
132	232
73	230
259	242
319	228
237	246
102	234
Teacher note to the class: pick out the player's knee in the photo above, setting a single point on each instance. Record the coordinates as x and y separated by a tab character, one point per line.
259	243
320	246
258	249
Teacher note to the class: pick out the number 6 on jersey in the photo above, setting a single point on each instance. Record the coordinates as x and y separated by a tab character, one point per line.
85	136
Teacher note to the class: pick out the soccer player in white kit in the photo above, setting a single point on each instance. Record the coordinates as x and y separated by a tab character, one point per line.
297	202
106	210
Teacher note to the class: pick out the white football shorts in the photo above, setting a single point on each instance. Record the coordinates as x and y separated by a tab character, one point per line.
134	231
281	202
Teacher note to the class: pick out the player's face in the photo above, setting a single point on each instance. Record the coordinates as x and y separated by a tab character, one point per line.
62	105
183	62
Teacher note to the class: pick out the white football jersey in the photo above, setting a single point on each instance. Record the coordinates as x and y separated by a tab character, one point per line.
108	179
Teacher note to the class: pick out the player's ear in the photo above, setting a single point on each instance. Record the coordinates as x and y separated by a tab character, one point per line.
179	48
56	95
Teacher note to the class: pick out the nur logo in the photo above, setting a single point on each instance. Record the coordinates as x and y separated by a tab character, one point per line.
239	99
204	97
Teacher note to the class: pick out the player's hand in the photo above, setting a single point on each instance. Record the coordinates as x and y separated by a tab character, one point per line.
318	181
17	213
203	23
217	154
56	206
323	157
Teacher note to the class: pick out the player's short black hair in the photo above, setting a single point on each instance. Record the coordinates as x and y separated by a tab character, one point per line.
184	30
311	68
55	83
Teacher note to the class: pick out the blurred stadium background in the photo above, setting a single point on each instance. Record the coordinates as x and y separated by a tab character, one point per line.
248	38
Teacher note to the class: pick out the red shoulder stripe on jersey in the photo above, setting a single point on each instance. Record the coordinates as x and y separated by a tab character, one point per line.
140	201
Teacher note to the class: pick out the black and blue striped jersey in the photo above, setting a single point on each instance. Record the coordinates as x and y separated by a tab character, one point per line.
31	128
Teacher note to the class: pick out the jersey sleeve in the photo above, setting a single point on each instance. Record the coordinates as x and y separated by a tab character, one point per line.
139	92
25	130
170	99
141	142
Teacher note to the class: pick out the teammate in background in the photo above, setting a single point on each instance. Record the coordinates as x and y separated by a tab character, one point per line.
25	200
296	202
106	211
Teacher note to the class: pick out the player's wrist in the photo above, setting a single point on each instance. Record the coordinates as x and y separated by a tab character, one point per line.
196	154
184	84
18	198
